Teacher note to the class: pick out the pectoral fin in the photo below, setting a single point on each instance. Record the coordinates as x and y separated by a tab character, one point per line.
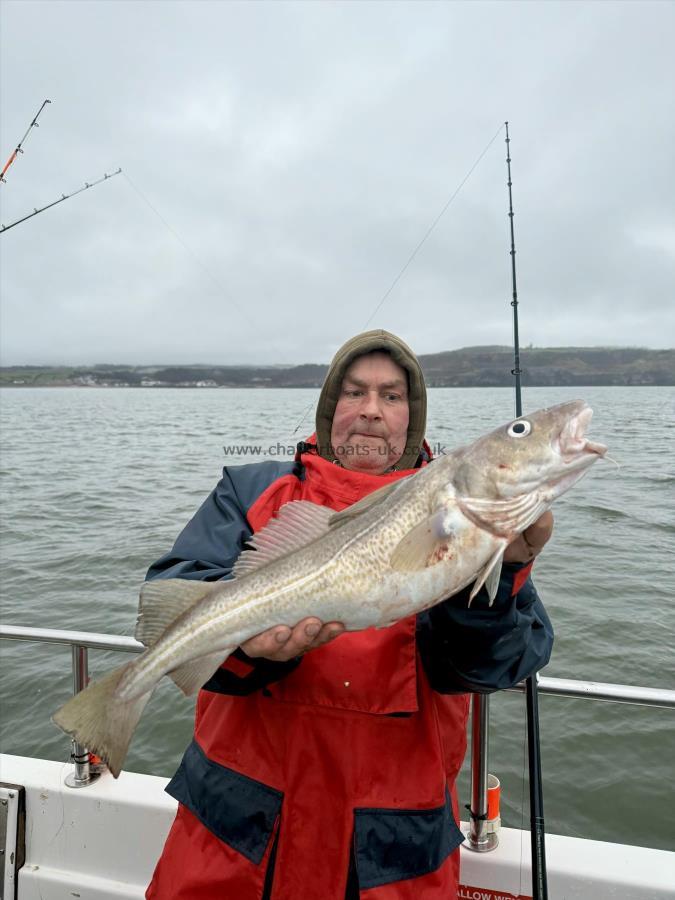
427	543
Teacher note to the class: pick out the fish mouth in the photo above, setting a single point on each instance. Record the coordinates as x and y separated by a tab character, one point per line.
571	443
576	452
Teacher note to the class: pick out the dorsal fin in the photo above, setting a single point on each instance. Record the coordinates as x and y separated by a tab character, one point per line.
365	503
296	525
161	602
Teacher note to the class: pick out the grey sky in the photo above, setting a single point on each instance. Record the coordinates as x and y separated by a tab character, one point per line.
301	150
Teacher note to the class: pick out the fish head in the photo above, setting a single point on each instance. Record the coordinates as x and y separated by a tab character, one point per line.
543	453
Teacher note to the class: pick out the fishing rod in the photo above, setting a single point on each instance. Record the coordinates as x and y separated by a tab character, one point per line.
19	149
63	197
537	830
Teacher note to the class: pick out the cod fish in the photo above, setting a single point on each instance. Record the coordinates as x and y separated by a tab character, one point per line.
398	551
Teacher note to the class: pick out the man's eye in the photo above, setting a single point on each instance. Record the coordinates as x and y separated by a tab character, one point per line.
393	397
353	393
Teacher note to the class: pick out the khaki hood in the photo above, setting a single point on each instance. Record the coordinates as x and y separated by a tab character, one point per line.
368	342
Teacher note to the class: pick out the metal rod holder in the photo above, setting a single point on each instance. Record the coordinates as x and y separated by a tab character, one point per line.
83	773
479	838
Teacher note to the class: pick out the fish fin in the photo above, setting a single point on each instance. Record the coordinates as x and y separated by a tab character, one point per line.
194	674
365	503
426	544
504	516
489	575
102	722
162	601
296	525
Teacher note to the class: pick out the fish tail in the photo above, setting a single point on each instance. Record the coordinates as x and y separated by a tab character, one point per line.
101	721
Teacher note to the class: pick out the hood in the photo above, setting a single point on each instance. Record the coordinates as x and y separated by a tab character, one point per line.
399	351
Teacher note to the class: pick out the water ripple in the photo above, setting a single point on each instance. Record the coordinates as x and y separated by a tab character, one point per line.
96	484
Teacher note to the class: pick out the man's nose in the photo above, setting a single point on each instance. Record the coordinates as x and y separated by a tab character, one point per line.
371	405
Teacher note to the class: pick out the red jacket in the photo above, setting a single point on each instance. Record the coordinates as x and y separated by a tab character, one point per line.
341	764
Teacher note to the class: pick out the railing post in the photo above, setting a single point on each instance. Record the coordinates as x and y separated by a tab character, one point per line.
479	838
83	773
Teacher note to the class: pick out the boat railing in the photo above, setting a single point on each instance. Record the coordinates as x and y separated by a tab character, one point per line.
479	838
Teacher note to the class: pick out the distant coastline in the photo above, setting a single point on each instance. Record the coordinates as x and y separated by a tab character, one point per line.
468	367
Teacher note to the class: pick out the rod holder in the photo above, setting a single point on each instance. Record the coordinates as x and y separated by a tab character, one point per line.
83	774
480	838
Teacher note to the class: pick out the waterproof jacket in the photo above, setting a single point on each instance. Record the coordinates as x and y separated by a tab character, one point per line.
332	775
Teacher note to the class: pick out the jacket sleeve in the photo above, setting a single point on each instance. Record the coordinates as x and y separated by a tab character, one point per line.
206	550
485	648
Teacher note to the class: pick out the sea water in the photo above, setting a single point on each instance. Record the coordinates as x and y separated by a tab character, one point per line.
97	483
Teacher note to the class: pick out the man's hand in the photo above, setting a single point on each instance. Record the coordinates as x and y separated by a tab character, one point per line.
531	542
282	643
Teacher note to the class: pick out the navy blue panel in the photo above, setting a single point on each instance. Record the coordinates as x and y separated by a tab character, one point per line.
264	672
251	480
238	810
485	648
209	545
394	844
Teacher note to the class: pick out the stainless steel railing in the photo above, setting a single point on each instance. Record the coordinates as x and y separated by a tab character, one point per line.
479	839
80	643
89	639
560	687
598	690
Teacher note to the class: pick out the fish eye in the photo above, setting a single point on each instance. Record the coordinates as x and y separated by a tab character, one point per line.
521	428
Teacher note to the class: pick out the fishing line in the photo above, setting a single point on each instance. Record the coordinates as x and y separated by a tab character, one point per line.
194	256
432	226
419	247
19	149
304	416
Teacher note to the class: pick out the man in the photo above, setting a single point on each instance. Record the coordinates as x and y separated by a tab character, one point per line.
324	763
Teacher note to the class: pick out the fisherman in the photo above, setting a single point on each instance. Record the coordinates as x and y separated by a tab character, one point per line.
324	763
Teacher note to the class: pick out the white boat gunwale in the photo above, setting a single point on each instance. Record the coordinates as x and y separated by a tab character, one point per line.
69	834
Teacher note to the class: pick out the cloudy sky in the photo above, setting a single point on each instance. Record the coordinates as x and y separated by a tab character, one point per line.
282	161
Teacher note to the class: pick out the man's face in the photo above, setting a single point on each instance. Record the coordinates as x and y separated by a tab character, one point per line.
370	424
